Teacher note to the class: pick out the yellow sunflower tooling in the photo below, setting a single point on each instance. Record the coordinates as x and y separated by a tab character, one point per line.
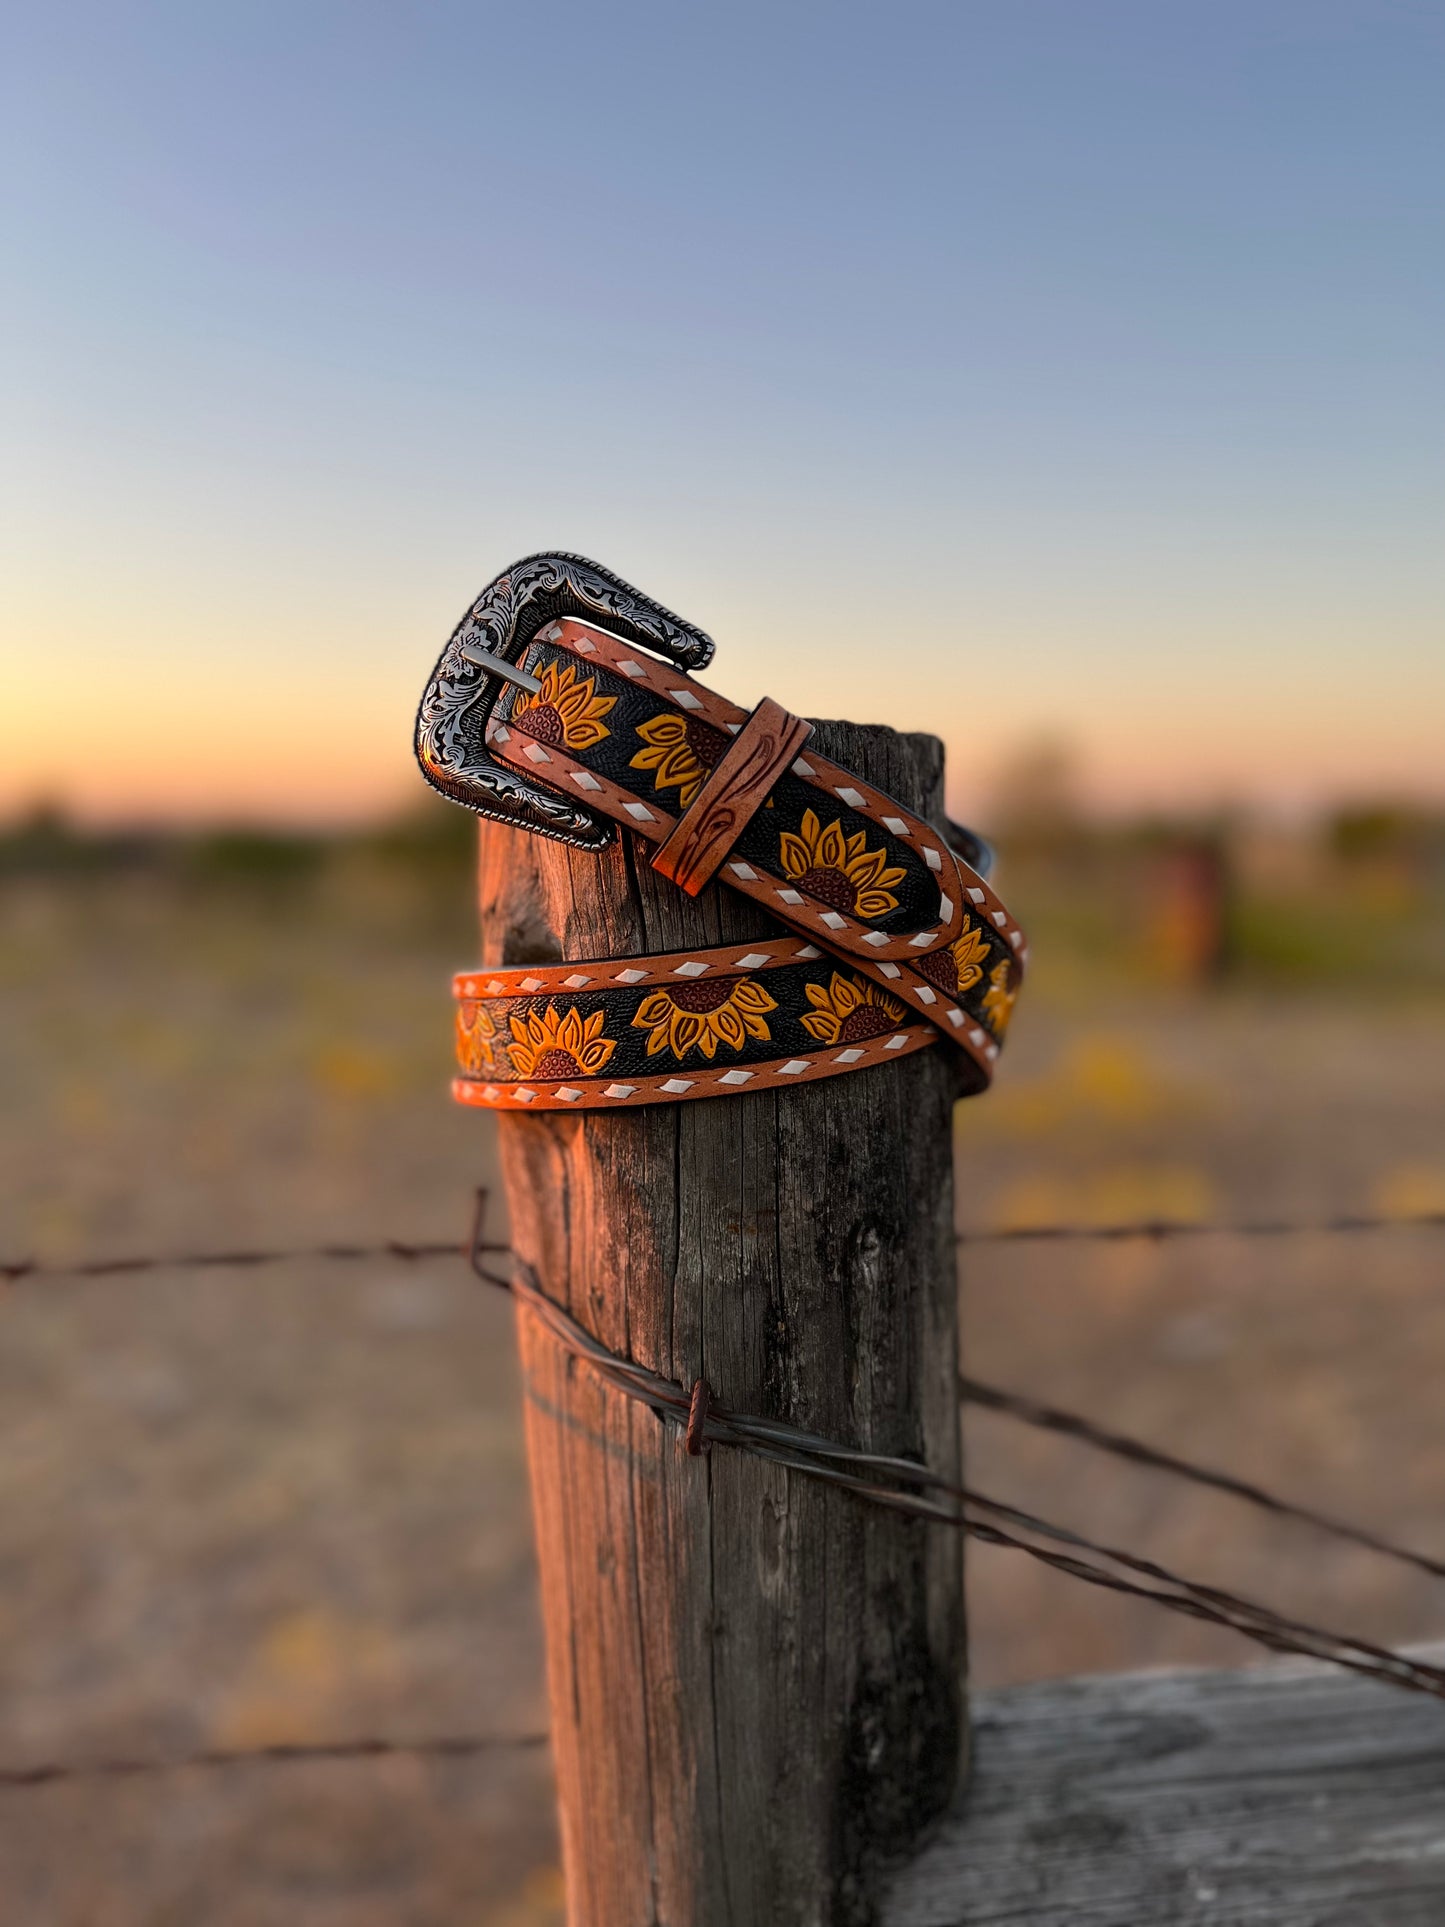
680	751
998	999
959	965
566	710
700	1016
547	1044
839	870
476	1033
850	1010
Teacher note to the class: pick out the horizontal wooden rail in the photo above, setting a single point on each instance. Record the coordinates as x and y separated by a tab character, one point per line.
1282	1796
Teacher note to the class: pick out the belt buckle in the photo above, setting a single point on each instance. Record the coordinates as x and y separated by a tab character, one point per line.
483	656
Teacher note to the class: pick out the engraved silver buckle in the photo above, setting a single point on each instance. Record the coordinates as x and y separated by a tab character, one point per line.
483	655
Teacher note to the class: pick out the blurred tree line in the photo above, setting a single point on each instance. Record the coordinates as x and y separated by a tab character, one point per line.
431	837
1355	895
411	871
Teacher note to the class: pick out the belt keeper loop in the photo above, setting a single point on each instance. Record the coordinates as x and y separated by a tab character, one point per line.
732	795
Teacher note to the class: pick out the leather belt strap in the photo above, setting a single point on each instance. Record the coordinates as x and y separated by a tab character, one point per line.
653	1030
901	941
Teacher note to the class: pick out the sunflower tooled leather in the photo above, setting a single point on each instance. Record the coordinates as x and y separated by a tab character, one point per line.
901	940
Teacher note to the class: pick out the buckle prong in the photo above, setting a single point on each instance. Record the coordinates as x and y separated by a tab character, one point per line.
499	666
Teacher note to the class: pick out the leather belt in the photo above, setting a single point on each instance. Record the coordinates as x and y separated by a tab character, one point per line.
545	711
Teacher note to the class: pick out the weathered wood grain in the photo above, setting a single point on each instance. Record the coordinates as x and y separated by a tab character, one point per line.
756	1683
1281	1796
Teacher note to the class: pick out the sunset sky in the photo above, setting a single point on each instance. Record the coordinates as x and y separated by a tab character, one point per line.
1067	368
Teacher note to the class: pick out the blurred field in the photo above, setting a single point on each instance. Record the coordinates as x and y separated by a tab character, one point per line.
291	1504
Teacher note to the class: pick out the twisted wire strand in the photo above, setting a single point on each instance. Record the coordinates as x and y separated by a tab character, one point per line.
910	1488
16	1270
974	1391
1158	1230
19	1269
446	1747
1054	1418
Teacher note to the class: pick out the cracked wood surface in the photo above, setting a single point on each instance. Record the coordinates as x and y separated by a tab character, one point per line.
1280	1796
756	1683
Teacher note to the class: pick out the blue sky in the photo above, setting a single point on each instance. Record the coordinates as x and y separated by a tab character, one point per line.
1066	370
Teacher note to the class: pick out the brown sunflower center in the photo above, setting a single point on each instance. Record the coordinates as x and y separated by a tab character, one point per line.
700	998
867	1020
557	1063
709	745
941	968
542	721
829	886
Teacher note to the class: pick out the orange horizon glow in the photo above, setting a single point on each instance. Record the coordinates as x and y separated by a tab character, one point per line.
993	393
160	728
195	749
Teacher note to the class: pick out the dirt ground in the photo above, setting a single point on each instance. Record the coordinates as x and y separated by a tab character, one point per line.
291	1504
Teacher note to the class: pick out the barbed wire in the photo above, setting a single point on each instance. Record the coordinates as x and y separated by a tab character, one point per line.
21	1268
913	1489
1159	1229
16	1270
898	1484
1053	1418
284	1752
1019	1406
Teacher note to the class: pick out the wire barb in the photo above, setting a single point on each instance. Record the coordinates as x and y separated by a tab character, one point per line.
697	1411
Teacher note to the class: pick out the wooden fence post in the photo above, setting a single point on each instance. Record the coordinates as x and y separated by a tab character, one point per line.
757	1682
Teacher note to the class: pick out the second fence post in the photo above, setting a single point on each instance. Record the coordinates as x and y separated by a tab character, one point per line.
757	1683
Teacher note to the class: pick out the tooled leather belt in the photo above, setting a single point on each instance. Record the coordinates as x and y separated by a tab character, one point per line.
564	703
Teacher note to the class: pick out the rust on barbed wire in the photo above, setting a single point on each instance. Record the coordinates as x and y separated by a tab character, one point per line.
697	1412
